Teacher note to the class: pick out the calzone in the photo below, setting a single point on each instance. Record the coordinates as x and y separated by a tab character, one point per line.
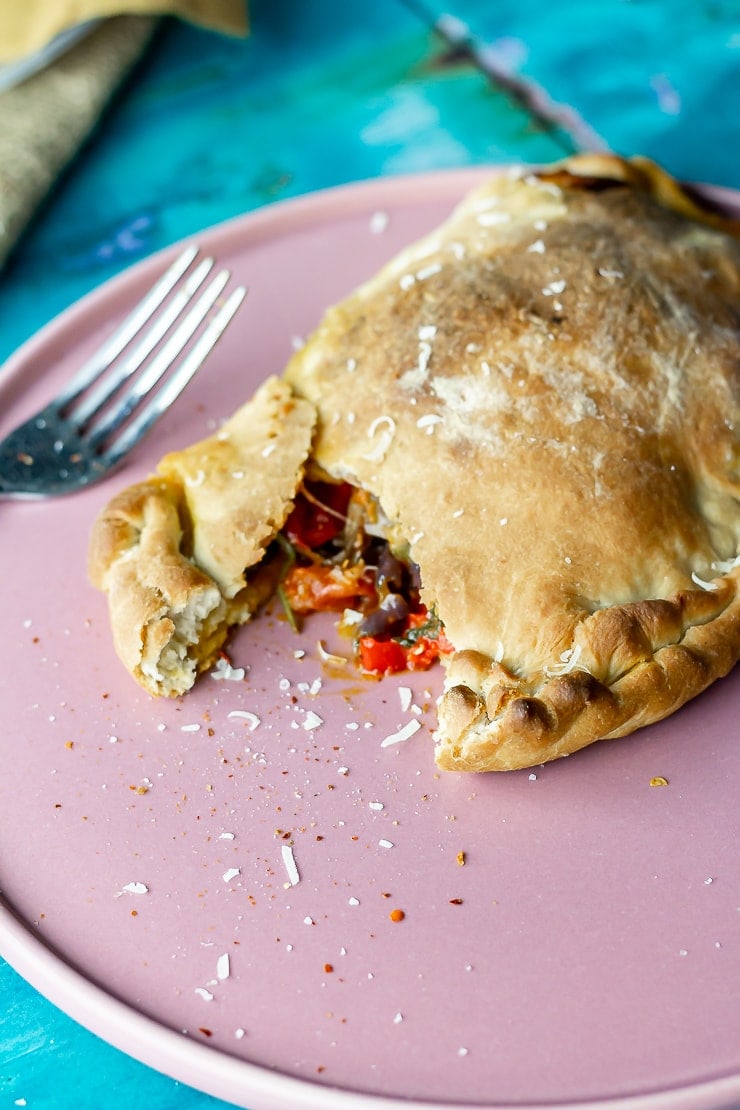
514	449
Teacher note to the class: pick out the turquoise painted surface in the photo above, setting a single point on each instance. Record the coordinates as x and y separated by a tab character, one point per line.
333	92
321	94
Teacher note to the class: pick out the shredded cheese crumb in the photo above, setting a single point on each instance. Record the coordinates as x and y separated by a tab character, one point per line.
404	733
554	288
312	720
253	721
231	874
378	222
225	671
428	271
569	662
223	968
329	657
428	421
387	428
701	582
493	219
724	566
290	864
136	888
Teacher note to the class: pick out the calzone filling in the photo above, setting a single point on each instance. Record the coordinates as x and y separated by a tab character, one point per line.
340	555
514	451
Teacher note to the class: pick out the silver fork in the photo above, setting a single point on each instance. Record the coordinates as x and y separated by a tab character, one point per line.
118	394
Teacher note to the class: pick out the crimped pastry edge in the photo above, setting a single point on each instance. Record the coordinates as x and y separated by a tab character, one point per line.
489	720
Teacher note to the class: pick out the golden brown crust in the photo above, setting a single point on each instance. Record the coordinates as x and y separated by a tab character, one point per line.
491	719
543	396
172	552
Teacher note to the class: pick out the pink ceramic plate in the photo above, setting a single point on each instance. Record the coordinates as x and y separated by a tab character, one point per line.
585	952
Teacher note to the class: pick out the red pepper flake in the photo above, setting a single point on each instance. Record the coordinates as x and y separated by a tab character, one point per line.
328	968
69	744
206	1032
396	915
456	901
134	913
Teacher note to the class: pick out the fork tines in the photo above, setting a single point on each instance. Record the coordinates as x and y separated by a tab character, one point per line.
141	355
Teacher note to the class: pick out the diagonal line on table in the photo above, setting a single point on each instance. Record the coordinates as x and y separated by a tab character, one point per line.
548	114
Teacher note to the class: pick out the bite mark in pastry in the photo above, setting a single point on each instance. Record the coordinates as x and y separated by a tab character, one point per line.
541	399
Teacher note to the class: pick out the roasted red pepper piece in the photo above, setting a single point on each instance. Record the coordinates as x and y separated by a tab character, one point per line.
318	514
381	657
388	656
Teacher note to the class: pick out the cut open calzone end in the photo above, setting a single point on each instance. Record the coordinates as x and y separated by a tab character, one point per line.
181	555
537	408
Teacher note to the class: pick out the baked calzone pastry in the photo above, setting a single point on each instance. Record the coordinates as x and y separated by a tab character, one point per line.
514	449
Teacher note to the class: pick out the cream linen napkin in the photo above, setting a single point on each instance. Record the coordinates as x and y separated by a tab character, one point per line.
46	118
28	25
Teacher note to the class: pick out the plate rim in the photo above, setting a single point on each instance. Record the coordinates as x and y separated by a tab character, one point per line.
190	1062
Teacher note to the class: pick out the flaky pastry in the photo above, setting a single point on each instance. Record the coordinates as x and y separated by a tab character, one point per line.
541	397
172	552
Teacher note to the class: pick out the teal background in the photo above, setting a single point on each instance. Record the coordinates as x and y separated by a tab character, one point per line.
320	94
